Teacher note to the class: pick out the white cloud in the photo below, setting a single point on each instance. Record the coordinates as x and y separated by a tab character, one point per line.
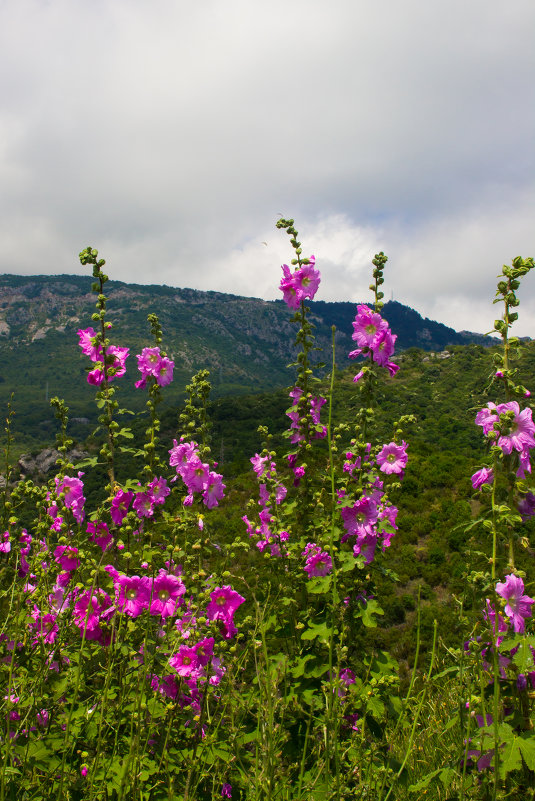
170	135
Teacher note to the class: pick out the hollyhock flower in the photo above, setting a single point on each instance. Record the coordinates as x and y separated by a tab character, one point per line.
164	371
158	490
74	499
226	790
165	685
205	650
120	505
367	326
167	592
143	504
483	476
186	662
261	464
132	594
518	606
517	434
195	474
214	489
392	458
148	361
66	557
5	544
526	506
318	562
365	546
300	284
360	518
99	534
223	604
88	612
86	336
180	455
489	614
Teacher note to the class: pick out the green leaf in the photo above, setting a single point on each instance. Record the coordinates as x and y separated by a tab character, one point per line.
320	630
526	743
299	668
126	433
321	584
372	608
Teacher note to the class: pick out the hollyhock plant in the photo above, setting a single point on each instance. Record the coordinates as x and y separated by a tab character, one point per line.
516	433
186	662
518	605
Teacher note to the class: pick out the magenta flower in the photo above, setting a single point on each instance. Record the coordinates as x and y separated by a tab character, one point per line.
120	505
132	594
74	499
100	535
186	662
518	606
481	477
87	337
214	489
143	504
300	284
318	562
66	557
164	372
392	458
167	592
159	490
223	604
518	434
367	327
360	518
526	506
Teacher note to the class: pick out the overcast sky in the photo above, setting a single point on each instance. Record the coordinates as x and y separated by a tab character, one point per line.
171	135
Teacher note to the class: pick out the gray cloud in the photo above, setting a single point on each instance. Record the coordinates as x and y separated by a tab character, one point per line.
170	135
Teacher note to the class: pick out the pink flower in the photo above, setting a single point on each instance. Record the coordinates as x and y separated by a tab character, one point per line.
518	606
483	476
318	562
99	534
526	506
87	337
223	604
186	662
132	594
120	505
159	490
367	327
143	505
66	557
74	499
167	592
300	284
214	490
392	458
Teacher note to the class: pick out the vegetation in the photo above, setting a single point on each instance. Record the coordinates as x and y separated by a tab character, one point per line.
294	638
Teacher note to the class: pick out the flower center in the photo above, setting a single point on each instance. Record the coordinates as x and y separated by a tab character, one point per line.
163	595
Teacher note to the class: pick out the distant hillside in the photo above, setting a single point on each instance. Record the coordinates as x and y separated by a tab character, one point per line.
246	343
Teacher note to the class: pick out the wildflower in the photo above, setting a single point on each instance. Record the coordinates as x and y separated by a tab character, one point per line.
481	477
526	506
167	592
300	284
186	662
392	458
119	506
318	562
518	606
223	604
132	594
99	534
226	790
